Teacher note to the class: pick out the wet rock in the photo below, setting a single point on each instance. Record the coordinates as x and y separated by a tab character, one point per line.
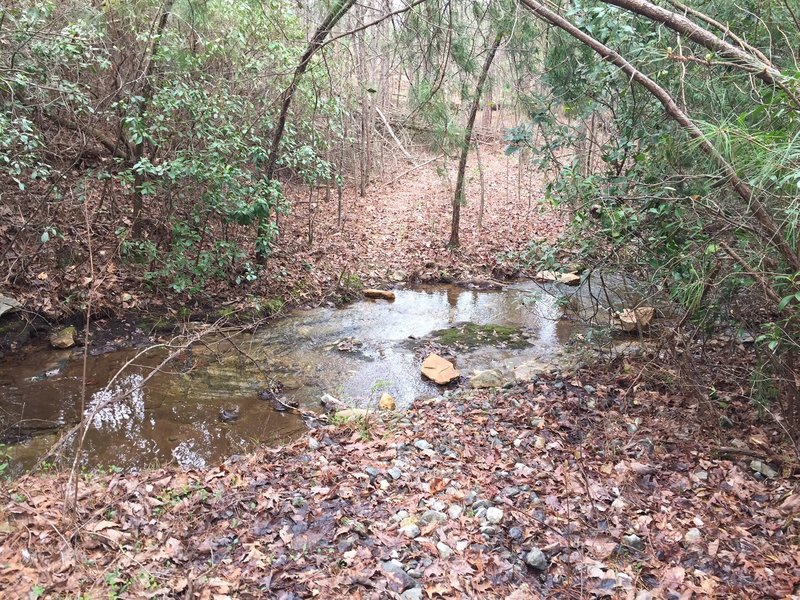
545	277
397	577
492	378
494	515
571	279
422	445
439	370
387	402
536	559
633	541
378	294
228	415
444	550
63	338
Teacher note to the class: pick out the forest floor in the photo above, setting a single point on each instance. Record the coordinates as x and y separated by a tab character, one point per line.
566	488
398	232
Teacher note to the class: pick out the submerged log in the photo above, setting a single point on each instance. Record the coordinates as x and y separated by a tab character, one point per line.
379	294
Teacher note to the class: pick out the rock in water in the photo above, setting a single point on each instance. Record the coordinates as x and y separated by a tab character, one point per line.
636	318
387	402
439	370
65	338
545	277
379	294
570	279
227	415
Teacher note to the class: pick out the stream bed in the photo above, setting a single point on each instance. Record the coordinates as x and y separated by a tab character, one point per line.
354	353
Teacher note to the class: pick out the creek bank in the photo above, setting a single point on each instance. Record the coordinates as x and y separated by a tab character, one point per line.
536	491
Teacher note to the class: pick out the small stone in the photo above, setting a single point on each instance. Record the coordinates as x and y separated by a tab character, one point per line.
387	402
444	550
763	468
494	515
395	473
397	577
313	443
535	558
692	536
437	504
702	475
384	484
633	541
64	338
589	389
454	511
488	530
410	531
644	595
372	472
414	593
399	516
422	445
471	497
432	516
515	533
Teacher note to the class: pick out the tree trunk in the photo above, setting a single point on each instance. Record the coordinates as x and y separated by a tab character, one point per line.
769	231
458	197
147	96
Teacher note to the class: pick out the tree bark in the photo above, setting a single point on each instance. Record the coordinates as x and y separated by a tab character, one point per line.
770	231
458	197
682	25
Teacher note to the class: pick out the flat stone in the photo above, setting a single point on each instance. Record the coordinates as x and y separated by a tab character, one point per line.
439	370
395	473
432	516
633	319
414	593
422	445
570	279
397	577
351	414
633	541
454	511
530	371
545	277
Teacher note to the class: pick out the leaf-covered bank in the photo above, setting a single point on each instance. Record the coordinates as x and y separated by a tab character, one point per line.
562	489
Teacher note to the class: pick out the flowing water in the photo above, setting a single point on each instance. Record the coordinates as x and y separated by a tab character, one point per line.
354	353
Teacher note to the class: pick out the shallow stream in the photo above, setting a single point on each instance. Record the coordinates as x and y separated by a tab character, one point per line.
354	353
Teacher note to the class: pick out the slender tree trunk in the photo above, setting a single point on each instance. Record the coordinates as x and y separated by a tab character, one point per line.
147	96
483	183
458	197
339	9
769	230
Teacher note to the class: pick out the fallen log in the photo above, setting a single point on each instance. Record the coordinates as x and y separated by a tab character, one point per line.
378	294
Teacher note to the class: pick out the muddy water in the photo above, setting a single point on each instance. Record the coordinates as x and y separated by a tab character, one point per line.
354	353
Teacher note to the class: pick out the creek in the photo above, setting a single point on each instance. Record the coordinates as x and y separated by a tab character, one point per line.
355	353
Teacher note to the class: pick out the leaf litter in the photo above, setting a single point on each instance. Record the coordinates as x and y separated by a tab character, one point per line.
615	514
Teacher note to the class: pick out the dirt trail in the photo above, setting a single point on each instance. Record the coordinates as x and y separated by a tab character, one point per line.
401	228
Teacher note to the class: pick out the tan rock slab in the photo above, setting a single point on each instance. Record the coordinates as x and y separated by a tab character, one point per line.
439	370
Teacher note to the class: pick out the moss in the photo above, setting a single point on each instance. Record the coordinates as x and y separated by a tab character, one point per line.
471	335
271	306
